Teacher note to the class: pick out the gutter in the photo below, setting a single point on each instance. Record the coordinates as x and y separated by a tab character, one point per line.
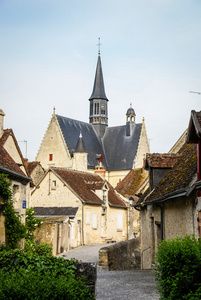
179	193
15	174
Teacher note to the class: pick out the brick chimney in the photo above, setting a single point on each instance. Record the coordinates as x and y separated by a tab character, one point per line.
2	114
100	170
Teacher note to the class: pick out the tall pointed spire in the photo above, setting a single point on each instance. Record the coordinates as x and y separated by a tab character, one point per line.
98	89
98	111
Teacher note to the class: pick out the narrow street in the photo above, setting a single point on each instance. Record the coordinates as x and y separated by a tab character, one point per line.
112	285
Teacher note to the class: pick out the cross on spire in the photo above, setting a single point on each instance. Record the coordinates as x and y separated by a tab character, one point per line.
99	44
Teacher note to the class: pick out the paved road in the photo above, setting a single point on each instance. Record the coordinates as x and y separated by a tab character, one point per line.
117	285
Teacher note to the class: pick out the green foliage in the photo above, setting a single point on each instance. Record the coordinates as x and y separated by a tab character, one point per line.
44	249
27	276
178	268
31	223
14	228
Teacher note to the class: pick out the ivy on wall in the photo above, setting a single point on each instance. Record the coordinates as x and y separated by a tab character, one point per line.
15	230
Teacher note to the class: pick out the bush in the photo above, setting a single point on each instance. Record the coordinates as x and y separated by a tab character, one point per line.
25	275
178	267
36	286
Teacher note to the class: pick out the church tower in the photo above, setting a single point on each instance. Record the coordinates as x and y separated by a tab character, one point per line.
98	112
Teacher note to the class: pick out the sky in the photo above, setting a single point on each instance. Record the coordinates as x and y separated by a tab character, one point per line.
150	53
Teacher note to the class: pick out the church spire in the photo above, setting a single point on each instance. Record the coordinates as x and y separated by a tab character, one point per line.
98	89
98	113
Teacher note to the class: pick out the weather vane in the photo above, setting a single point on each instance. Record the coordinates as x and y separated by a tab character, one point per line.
99	44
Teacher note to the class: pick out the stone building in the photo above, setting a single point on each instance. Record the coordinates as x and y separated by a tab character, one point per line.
122	148
12	163
173	206
101	215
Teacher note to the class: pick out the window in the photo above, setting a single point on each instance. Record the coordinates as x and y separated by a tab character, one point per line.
87	218
54	184
119	221
50	157
94	225
96	108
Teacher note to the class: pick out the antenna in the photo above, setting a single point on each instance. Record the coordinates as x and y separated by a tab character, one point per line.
199	93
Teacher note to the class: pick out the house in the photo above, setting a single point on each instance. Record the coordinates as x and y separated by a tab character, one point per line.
122	148
12	163
172	208
134	184
19	185
101	215
57	228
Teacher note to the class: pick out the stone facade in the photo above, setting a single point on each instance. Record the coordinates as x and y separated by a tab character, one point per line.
94	222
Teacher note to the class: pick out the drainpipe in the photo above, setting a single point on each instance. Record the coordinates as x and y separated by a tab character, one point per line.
82	223
127	222
162	214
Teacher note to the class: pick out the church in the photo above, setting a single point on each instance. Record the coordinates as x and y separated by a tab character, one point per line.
95	147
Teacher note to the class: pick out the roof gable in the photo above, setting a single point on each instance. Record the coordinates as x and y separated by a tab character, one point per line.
194	128
179	177
71	130
8	165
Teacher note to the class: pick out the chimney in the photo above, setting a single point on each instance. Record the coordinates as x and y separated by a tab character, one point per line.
2	114
100	170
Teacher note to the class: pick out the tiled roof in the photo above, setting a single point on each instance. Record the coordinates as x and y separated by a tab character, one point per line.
84	185
180	176
114	200
56	211
31	165
6	162
157	160
6	133
131	183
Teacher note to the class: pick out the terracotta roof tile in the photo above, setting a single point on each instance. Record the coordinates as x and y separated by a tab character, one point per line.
180	176
6	133
31	166
8	163
85	184
131	183
157	160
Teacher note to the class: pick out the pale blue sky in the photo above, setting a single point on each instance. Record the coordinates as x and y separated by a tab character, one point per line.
150	57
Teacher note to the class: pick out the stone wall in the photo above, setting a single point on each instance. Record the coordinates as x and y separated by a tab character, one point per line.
89	273
121	256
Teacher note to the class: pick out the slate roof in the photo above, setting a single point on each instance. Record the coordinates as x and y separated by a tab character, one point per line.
98	89
157	160
56	211
129	186
117	149
120	150
9	166
84	185
71	131
178	179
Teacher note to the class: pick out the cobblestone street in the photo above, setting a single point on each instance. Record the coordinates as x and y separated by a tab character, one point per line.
112	285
